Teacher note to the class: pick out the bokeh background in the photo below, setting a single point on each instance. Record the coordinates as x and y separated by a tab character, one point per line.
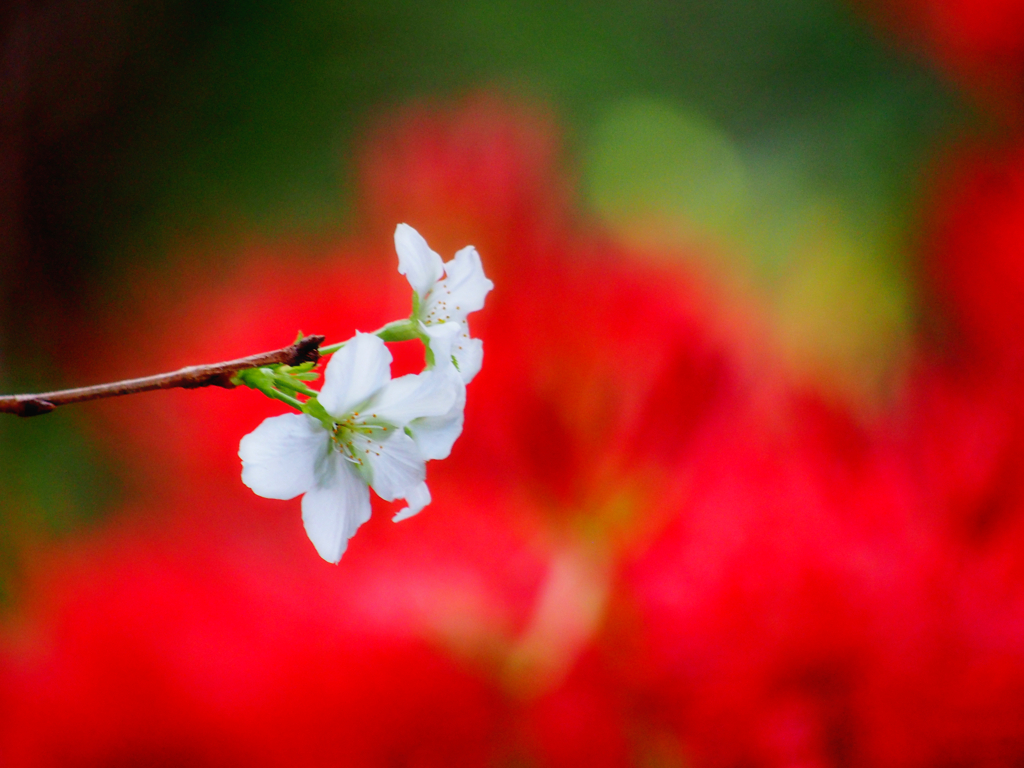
742	480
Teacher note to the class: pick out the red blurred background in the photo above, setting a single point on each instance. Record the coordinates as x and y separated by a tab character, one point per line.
679	528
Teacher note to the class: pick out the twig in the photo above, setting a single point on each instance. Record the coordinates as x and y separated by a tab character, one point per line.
304	350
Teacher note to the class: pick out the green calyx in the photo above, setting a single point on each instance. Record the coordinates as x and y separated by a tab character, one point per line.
401	330
284	383
313	408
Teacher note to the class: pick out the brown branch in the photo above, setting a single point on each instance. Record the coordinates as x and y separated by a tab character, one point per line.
304	350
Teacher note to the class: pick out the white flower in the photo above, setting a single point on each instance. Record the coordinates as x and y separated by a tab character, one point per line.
368	446
453	347
447	293
435	435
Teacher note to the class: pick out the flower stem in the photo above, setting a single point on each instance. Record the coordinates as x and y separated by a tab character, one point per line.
399	330
304	350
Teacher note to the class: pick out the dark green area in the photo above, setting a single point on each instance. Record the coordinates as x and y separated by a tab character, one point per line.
54	480
245	111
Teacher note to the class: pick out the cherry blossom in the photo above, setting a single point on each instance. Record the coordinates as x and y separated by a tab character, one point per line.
445	294
366	446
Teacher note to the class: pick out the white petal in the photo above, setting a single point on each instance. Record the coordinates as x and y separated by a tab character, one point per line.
420	265
466	280
441	338
279	456
396	466
435	435
418	498
469	356
335	507
452	341
462	291
430	393
355	373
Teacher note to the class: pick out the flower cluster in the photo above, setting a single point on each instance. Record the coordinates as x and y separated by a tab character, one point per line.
364	429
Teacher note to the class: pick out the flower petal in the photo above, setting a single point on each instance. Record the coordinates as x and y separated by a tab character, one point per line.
452	344
279	456
396	466
418	498
335	507
354	374
462	291
441	337
435	435
468	354
420	265
409	397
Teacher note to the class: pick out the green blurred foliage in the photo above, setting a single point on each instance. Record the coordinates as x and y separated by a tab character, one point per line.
243	111
55	480
838	291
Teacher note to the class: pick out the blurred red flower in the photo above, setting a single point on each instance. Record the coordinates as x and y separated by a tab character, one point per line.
644	549
974	253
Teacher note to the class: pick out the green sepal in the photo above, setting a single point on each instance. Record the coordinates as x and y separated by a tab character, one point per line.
313	408
265	380
290	382
300	368
248	377
400	330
